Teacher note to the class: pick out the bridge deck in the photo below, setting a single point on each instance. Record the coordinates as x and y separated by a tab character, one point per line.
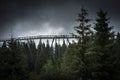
43	37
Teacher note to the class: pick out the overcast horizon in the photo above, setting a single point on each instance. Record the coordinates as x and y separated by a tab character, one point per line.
47	17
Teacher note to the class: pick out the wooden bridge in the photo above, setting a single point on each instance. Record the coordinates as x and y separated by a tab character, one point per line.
42	37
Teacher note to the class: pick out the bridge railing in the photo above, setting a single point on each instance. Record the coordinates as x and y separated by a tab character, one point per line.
42	37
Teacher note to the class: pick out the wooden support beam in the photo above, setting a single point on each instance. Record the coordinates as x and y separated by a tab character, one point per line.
42	37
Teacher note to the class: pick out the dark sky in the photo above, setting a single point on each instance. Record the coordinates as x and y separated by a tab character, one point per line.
35	17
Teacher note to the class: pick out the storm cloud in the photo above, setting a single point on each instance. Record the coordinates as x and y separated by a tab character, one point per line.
35	17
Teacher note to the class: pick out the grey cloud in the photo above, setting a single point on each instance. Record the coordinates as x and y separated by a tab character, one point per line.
27	15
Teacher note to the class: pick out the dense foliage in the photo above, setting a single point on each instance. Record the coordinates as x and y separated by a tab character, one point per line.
96	55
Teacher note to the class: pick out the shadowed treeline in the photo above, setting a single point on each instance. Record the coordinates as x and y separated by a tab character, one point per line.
96	55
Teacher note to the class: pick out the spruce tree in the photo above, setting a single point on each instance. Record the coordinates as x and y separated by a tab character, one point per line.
63	48
103	30
115	58
42	57
32	54
74	64
84	32
47	51
11	67
103	43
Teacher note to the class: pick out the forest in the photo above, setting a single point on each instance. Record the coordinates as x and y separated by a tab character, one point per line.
95	56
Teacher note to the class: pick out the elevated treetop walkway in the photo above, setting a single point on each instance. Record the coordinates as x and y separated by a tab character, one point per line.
42	37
